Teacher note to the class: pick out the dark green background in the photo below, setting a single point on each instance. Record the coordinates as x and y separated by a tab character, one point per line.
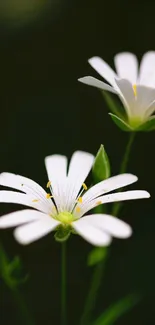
44	110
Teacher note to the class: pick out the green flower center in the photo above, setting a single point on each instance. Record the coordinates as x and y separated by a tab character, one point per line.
136	121
66	217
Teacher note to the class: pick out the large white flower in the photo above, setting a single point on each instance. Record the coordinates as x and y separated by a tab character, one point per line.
68	201
135	88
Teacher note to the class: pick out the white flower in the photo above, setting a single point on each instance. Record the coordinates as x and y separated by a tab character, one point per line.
66	204
136	89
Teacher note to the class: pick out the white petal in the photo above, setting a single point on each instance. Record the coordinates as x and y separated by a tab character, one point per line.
79	168
56	166
24	199
114	197
104	70
91	81
127	66
145	97
128	97
108	185
31	232
111	225
19	217
25	185
20	183
90	233
147	70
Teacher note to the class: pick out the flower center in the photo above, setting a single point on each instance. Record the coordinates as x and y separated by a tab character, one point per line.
65	217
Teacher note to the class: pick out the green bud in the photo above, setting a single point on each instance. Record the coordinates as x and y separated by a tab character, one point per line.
101	167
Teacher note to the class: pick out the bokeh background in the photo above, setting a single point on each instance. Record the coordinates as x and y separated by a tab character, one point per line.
44	47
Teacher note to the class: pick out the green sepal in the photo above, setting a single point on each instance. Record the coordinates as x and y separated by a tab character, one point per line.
115	311
116	109
97	255
62	233
124	126
149	125
101	167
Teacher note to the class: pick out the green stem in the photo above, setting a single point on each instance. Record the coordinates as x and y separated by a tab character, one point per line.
117	206
92	295
63	284
98	273
127	153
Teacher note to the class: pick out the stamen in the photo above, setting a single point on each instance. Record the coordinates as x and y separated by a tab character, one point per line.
80	199
48	184
48	196
98	202
35	200
84	186
135	89
78	209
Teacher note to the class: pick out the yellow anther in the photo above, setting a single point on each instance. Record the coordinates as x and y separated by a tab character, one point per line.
48	196
135	89
22	184
35	200
98	202
80	199
84	186
78	209
48	184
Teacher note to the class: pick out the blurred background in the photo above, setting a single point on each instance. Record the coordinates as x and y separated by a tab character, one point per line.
44	48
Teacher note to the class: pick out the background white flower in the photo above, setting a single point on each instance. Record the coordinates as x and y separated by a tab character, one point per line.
65	205
135	87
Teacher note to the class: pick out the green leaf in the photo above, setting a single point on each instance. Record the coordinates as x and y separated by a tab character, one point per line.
115	311
120	123
101	167
149	125
97	255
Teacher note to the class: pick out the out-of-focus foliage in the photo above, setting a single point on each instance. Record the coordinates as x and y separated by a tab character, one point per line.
97	255
22	11
115	311
11	270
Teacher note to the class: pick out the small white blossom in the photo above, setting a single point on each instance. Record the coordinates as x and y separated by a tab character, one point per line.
66	202
135	87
